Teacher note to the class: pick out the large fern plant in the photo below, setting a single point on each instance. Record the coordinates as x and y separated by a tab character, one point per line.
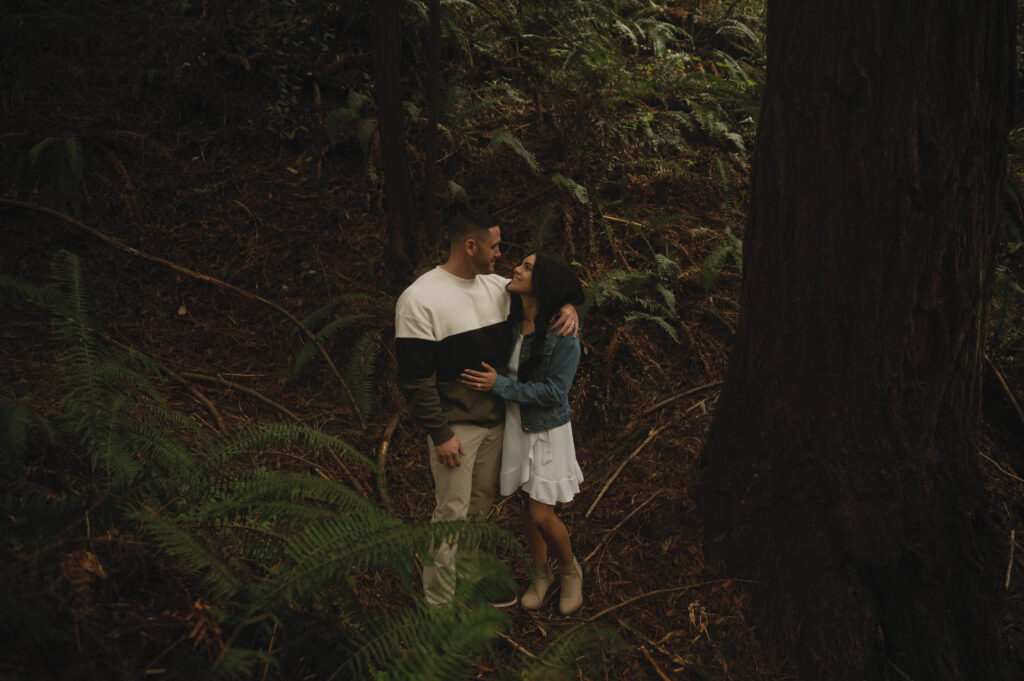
278	555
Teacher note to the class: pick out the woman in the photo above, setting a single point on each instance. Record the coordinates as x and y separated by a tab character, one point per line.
538	455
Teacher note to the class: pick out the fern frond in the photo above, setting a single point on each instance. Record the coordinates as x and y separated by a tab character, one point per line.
370	539
240	663
359	371
426	644
41	296
220	579
575	652
17	421
577	191
76	160
667	267
39	148
457	191
500	137
325	336
168	460
314	319
365	131
715	261
660	321
264	489
255	438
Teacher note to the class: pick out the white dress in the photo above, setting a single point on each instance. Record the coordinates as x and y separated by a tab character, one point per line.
542	463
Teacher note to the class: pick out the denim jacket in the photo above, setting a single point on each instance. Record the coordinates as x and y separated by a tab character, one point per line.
544	395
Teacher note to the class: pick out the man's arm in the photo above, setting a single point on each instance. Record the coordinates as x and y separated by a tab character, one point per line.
417	379
567	321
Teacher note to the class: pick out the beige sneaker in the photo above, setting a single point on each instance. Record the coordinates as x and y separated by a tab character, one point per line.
572	588
543	578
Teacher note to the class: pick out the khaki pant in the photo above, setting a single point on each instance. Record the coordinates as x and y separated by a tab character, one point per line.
463	493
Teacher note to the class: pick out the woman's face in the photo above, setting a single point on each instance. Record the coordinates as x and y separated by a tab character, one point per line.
522	276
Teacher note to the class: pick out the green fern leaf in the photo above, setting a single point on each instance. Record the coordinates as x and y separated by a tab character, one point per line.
224	581
76	160
577	191
324	336
39	148
359	371
500	137
660	321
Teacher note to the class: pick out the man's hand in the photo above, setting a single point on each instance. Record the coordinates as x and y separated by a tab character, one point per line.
567	321
450	453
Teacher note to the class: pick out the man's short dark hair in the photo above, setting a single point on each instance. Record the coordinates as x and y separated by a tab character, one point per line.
470	223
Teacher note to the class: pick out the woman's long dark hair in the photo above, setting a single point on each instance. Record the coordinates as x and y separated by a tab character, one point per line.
554	285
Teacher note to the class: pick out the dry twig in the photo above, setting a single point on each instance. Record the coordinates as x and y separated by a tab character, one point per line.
654	433
248	391
1006	388
656	592
607	537
685	393
1009	566
382	483
657	669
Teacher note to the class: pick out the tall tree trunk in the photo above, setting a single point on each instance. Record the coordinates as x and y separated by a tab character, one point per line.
431	218
398	186
841	469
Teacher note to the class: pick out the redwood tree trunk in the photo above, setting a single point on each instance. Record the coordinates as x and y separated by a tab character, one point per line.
397	184
431	218
841	469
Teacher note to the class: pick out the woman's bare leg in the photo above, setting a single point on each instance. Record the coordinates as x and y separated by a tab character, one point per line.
546	530
535	542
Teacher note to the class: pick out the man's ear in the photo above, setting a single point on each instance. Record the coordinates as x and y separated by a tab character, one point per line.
470	245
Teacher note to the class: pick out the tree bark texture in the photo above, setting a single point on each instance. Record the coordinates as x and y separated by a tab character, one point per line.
431	218
841	470
391	126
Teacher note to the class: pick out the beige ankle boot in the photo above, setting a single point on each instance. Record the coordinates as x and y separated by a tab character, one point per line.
572	588
543	578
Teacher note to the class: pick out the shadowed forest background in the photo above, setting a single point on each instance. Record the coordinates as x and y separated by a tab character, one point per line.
208	470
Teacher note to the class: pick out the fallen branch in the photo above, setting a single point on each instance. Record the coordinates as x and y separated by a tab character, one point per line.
248	391
654	433
221	426
518	647
686	393
676	659
607	537
382	483
657	669
1000	468
656	592
356	482
117	243
1006	388
1009	567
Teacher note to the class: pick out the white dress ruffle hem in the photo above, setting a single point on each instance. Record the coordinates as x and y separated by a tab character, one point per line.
544	463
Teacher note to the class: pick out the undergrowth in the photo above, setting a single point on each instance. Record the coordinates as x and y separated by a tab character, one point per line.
275	558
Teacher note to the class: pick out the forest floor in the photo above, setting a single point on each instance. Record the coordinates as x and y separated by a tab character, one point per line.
185	173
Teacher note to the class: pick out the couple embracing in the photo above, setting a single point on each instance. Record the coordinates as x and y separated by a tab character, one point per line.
486	429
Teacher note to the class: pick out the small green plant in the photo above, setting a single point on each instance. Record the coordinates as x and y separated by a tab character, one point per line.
729	248
353	116
328	325
501	138
59	161
643	295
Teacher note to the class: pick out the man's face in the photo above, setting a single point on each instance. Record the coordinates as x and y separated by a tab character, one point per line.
485	251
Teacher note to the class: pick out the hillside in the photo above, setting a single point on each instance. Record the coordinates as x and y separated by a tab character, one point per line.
216	169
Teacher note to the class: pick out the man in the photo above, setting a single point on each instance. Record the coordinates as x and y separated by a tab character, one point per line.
451	318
